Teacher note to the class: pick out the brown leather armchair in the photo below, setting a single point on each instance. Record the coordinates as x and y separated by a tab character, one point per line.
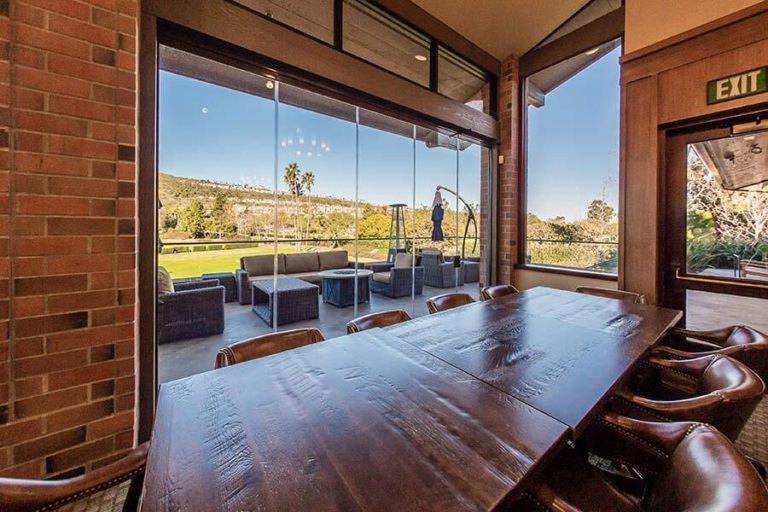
266	345
495	292
740	342
711	389
637	298
21	495
694	467
380	319
446	301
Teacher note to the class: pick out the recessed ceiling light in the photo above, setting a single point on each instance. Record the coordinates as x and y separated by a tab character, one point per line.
591	52
420	58
270	84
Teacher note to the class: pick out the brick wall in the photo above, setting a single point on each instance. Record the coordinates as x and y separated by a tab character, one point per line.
67	283
509	120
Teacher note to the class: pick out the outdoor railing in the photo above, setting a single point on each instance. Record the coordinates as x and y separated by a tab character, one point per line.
576	254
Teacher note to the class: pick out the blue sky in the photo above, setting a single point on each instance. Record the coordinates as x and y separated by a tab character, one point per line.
211	132
573	143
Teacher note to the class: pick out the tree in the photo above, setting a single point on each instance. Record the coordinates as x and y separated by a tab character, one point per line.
307	182
220	213
600	211
193	219
292	178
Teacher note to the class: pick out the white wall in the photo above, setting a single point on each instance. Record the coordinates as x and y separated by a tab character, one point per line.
525	279
651	21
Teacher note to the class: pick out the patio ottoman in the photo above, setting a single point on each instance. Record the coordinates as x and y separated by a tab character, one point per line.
296	300
227	280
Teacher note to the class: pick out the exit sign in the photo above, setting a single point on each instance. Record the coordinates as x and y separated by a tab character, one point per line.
737	86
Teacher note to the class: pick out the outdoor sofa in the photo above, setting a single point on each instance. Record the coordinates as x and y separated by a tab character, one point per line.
305	266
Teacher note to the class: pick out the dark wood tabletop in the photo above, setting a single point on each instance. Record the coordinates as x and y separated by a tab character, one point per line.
362	422
561	352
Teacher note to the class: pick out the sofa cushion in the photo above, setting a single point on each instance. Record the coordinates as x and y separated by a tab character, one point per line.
264	277
262	264
381	277
403	259
330	260
301	262
164	281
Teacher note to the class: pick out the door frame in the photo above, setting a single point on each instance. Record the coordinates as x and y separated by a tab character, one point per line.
674	277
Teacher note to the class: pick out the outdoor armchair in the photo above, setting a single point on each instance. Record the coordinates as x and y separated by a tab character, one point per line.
194	309
439	273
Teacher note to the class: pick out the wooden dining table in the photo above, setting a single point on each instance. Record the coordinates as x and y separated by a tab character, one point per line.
454	411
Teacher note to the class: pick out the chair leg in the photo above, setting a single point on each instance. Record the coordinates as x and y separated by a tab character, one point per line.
134	494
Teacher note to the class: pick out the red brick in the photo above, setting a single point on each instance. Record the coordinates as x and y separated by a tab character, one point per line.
81	301
49	82
83	31
82	375
68	66
79	455
80	339
48	444
34	326
87	187
43	246
82	108
80	226
110	425
49	123
51	284
80	415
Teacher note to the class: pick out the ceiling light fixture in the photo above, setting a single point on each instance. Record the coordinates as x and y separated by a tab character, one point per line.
270	84
591	52
420	58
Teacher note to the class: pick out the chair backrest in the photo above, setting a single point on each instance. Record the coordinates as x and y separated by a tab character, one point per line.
266	345
380	319
738	388
707	472
448	301
637	298
500	290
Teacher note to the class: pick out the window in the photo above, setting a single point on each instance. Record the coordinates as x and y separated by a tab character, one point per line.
572	144
314	18
462	81
263	183
381	39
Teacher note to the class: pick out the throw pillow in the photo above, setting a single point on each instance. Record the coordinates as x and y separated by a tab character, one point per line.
164	281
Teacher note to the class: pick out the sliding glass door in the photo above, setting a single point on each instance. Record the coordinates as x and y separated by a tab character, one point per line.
290	209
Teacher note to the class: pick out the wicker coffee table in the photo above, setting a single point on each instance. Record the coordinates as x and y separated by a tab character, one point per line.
339	286
295	300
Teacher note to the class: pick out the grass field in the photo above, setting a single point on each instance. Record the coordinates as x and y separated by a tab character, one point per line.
194	264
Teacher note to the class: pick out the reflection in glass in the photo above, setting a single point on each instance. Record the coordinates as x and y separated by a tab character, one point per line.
314	18
381	39
462	81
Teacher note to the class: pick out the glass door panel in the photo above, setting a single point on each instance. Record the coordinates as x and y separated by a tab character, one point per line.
317	209
387	215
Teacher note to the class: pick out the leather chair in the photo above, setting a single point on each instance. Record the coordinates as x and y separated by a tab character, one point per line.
711	389
22	495
692	467
266	345
380	319
495	292
738	341
447	301
636	298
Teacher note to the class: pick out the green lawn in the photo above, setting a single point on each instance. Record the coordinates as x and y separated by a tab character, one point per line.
194	264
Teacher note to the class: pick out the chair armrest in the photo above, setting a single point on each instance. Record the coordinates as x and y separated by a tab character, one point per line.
195	285
545	498
676	353
243	286
23	495
380	266
210	295
701	407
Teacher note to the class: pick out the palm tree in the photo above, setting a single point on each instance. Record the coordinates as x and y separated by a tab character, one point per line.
292	177
307	182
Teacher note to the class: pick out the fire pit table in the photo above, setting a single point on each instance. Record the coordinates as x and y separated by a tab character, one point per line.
339	286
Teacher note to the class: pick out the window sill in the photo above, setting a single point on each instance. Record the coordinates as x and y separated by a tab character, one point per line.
568	272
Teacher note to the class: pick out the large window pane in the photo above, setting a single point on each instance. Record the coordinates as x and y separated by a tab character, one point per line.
316	205
377	37
314	18
460	80
573	161
386	227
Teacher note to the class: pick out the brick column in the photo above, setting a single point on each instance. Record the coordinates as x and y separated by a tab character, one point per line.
507	187
69	388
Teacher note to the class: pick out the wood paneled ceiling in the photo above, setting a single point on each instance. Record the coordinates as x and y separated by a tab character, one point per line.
503	27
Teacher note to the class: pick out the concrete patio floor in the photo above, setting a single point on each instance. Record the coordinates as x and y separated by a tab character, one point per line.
183	358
